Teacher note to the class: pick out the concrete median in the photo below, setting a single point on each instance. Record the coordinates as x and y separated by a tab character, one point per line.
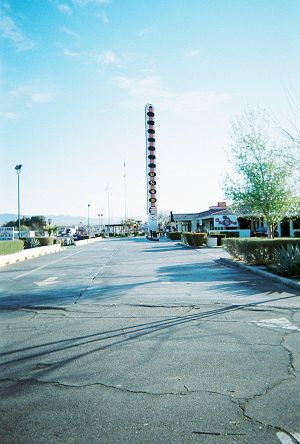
29	253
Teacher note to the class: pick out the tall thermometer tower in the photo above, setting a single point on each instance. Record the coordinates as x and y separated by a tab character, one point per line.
151	171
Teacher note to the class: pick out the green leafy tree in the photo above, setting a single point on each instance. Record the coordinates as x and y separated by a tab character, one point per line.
131	225
26	222
38	222
263	183
11	223
51	230
15	224
291	130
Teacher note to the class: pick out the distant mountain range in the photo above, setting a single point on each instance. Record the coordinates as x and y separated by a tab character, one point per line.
60	219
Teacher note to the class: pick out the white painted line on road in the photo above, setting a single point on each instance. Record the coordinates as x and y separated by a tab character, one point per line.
284	438
49	281
296	436
276	323
46	265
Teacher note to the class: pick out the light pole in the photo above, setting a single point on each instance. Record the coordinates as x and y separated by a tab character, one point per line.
18	170
108	209
100	221
89	219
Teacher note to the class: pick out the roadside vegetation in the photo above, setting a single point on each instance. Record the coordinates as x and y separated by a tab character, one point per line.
281	255
264	176
10	247
263	184
34	223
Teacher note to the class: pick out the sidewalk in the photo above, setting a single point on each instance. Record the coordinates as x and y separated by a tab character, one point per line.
256	269
262	271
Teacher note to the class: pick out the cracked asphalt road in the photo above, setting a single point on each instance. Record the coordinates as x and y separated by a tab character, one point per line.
128	341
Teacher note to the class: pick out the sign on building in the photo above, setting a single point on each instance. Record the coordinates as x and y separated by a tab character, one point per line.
7	233
225	221
25	234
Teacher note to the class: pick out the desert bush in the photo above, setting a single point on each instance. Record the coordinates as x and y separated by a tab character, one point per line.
194	239
174	235
288	260
230	234
31	242
45	241
257	251
230	245
11	246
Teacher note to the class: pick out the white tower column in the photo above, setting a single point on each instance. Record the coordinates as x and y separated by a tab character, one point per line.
151	170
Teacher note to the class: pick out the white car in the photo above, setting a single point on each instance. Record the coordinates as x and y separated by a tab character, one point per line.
68	240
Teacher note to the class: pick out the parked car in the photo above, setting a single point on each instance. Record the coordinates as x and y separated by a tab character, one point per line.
261	232
68	240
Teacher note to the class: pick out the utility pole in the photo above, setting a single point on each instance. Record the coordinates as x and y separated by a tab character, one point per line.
108	208
18	170
125	199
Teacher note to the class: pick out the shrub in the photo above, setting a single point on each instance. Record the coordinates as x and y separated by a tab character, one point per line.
230	245
31	242
257	251
174	235
230	234
11	246
194	239
296	233
45	241
288	260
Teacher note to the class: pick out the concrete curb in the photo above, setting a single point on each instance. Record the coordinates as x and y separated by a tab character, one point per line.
87	241
30	253
273	277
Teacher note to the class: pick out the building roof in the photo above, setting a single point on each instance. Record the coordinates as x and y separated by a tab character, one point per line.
201	215
210	212
182	216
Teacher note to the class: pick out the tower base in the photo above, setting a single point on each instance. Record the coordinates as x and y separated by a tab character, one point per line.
152	236
156	239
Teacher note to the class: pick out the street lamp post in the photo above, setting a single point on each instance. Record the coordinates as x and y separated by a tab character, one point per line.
89	219
18	170
100	222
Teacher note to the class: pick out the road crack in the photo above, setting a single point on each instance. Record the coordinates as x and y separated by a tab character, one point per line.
96	275
291	364
94	384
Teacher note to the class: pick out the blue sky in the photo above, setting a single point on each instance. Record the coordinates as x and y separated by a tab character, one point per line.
75	78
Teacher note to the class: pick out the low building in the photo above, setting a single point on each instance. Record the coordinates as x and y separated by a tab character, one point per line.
215	218
222	218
